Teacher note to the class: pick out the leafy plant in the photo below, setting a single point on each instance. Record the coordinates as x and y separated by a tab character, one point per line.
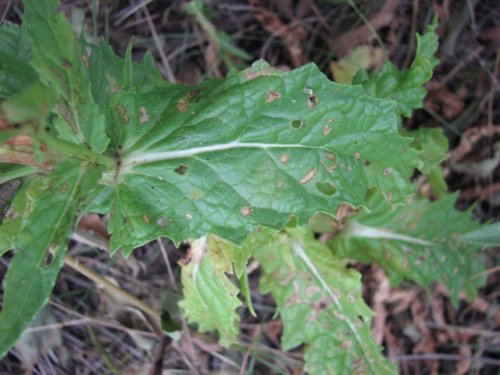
230	163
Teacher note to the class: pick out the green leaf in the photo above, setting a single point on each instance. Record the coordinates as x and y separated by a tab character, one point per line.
432	145
209	296
405	88
488	235
255	149
38	228
15	54
319	300
61	65
10	172
33	103
419	242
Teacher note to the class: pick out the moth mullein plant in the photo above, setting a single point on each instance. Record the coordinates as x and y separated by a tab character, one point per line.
245	167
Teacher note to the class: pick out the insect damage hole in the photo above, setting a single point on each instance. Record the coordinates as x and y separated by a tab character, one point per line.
297	123
312	99
181	169
326	187
50	256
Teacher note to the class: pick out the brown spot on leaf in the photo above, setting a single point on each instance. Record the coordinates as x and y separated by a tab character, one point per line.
387	171
162	222
144	115
184	102
295	297
284	158
346	344
389	197
146	219
357	156
66	63
182	105
330	120
309	176
330	156
321	303
122	113
272	96
64	188
329	169
246	211
85	60
326	130
258	73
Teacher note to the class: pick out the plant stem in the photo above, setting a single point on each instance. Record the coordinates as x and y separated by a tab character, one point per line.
80	152
103	283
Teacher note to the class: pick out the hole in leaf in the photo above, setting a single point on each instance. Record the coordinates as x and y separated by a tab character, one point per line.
297	124
49	258
292	222
181	170
326	187
313	100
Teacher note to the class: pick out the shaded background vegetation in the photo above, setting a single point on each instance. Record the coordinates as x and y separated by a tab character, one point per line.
85	330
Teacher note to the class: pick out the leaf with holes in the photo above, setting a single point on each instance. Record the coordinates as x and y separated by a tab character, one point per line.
256	149
319	300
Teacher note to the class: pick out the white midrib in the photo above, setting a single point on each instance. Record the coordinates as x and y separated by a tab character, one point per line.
355	229
138	158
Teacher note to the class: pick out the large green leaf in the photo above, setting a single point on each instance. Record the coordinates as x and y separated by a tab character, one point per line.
419	242
210	298
37	228
319	300
405	88
251	150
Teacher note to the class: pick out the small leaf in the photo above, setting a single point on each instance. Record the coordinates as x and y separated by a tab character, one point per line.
209	299
419	242
319	300
405	88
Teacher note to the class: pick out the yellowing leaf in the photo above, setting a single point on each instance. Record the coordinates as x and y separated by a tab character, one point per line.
361	57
